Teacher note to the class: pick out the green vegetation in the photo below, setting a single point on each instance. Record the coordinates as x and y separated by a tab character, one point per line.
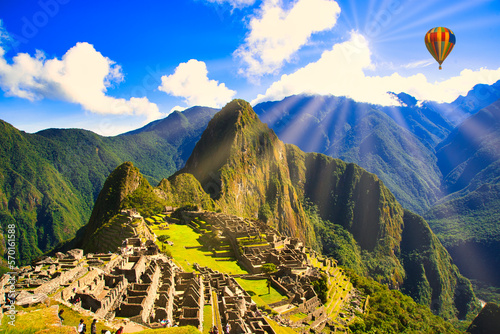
486	292
279	329
51	179
163	238
466	221
207	318
110	235
425	258
262	296
144	200
298	316
468	224
122	189
321	288
188	249
338	287
184	190
390	311
44	320
72	318
335	241
268	268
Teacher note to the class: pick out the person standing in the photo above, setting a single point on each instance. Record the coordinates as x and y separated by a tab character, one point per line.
93	327
59	314
81	327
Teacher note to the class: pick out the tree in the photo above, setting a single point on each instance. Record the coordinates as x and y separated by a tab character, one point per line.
268	269
163	238
321	288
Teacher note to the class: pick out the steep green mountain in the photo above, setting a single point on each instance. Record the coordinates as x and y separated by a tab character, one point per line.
405	165
399	148
45	207
469	154
127	188
396	143
50	180
467	220
241	163
390	311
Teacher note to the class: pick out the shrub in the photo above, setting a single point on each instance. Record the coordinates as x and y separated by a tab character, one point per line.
163	238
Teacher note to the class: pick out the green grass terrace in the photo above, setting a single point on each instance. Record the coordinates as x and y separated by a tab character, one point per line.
188	249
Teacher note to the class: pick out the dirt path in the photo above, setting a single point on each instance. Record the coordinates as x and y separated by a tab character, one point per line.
132	327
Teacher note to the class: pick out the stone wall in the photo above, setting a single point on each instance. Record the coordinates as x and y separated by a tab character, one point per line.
306	307
136	271
141	297
69	292
65	277
280	288
111	298
116	262
149	301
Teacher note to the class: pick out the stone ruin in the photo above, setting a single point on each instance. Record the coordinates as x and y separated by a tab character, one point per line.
254	250
139	283
235	304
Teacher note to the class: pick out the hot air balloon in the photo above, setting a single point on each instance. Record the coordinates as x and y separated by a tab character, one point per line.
440	41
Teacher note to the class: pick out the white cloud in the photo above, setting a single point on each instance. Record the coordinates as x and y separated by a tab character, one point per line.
340	72
177	108
277	34
81	76
234	3
420	63
190	81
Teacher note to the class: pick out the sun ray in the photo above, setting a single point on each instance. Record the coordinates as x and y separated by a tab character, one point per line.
443	14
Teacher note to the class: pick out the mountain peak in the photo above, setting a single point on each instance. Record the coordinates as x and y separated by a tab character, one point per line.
406	100
178	123
237	113
235	129
123	181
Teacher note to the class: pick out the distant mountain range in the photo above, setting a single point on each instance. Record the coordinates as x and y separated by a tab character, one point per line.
396	143
439	160
467	220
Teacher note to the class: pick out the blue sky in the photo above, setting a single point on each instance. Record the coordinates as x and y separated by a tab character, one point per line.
113	66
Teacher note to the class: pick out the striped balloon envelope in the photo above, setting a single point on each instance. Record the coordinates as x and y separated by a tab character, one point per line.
440	41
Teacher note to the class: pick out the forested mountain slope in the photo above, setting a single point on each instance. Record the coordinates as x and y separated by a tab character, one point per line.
50	180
